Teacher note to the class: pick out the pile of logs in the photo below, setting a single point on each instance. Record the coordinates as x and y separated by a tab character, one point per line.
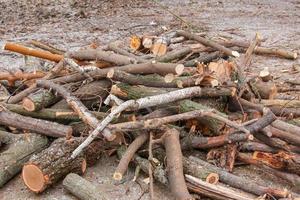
178	106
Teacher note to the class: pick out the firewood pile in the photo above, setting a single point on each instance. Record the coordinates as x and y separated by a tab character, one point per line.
180	107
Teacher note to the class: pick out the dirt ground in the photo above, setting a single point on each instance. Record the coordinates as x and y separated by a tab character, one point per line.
72	24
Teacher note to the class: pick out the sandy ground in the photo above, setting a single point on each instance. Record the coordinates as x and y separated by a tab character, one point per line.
73	24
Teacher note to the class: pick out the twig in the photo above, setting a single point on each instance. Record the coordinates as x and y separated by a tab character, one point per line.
150	158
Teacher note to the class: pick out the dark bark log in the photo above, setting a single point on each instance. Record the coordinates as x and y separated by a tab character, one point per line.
204	58
44	127
241	183
287	127
18	153
174	165
6	138
284	135
82	188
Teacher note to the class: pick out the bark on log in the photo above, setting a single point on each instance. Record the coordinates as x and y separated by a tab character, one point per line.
175	54
291	178
208	42
47	47
287	127
52	164
128	155
82	188
143	68
256	146
52	114
18	153
6	138
214	191
44	127
241	183
77	106
139	104
174	165
204	58
38	100
286	136
95	54
266	90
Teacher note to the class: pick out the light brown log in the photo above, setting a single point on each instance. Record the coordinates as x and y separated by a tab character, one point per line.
12	77
32	52
266	90
95	54
208	42
174	165
18	153
47	47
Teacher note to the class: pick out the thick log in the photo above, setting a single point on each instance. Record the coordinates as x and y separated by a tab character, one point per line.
52	164
265	90
82	188
18	152
142	68
6	138
174	165
44	127
281	103
241	183
32	52
284	135
95	54
209	43
204	58
38	100
152	80
286	127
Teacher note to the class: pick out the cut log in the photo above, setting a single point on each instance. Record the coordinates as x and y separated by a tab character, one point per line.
241	183
128	155
209	43
44	127
18	152
256	146
52	164
160	46
174	165
38	100
142	68
82	188
47	47
175	54
266	90
13	77
95	54
215	191
32	52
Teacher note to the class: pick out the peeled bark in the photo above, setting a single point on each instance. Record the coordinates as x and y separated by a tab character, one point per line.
18	153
